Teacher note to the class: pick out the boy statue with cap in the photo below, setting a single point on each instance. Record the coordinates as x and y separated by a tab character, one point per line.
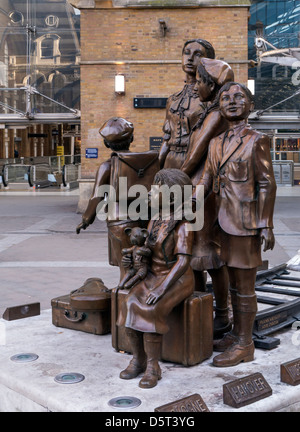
118	135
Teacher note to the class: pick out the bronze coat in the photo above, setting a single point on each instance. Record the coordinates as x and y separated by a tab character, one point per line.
247	187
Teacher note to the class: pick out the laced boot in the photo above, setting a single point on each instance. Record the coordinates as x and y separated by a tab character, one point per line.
137	364
243	349
152	344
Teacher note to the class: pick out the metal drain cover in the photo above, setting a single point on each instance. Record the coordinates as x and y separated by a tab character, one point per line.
69	378
24	358
124	402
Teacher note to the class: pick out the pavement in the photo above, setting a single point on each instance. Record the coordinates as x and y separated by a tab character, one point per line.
42	257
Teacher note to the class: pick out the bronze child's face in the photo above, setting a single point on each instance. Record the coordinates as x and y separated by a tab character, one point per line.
203	89
235	104
191	56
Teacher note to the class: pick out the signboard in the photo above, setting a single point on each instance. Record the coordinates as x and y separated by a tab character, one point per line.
91	153
193	403
245	391
37	135
290	372
155	143
60	151
150	102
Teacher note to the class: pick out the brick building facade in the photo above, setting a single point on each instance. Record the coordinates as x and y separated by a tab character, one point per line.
126	37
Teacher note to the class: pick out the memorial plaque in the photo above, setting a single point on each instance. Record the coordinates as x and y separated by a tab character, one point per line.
245	391
271	321
290	372
23	311
193	403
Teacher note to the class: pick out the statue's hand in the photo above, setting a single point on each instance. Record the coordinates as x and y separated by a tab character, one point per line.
126	261
82	225
267	237
155	295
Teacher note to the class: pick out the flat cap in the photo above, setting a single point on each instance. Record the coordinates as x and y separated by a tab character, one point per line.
116	129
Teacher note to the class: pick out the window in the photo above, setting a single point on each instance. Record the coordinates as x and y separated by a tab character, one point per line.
47	48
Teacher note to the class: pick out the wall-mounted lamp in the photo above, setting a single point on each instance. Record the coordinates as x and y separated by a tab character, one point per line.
120	84
163	27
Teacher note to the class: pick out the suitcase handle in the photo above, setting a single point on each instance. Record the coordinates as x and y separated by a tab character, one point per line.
76	318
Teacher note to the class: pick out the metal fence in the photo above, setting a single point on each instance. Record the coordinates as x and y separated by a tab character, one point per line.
41	172
14	173
71	174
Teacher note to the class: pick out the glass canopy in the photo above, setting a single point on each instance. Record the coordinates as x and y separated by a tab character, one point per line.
39	59
277	76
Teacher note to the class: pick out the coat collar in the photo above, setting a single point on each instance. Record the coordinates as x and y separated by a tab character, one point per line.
236	142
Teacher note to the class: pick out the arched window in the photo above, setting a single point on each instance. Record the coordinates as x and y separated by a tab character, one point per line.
47	48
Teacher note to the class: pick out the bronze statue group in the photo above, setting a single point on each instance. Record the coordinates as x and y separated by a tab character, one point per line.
207	141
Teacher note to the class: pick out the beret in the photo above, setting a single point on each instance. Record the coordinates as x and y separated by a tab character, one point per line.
219	70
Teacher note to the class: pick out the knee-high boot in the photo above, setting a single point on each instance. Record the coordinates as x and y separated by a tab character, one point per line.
230	337
138	362
241	350
152	346
220	284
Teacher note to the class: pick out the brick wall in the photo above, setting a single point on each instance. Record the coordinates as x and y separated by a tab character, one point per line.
134	37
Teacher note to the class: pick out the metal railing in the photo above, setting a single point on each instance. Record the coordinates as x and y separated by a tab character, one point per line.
41	172
71	174
15	173
40	175
56	162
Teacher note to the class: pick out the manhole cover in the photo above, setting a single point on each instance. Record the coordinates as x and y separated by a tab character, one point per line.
124	402
69	378
24	358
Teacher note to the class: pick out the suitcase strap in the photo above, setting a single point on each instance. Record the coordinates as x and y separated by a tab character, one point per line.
76	319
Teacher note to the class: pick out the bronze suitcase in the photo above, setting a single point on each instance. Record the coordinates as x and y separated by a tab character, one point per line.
190	339
87	309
